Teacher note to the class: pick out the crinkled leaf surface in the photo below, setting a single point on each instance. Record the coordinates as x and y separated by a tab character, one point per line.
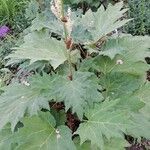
98	24
107	21
102	121
118	84
140	127
6	138
132	48
129	103
105	65
114	143
78	93
39	46
143	94
39	133
107	121
49	21
136	68
18	98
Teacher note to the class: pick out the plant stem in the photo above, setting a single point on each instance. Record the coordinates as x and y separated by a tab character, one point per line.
63	16
66	40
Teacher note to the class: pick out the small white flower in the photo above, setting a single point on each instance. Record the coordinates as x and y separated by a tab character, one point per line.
119	62
57	131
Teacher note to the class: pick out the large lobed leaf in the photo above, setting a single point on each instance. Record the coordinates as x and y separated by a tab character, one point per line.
107	121
19	98
98	24
47	20
39	133
103	121
78	93
39	46
132	48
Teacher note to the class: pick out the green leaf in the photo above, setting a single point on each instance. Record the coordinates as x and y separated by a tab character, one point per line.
47	20
39	46
19	98
108	121
6	138
105	65
60	116
78	93
118	84
132	48
103	121
135	68
114	143
95	25
129	103
107	21
143	94
40	134
81	28
140	127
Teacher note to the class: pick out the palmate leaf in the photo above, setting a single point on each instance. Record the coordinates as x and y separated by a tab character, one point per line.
107	21
98	24
39	133
39	46
132	48
78	93
18	98
102	121
47	20
107	121
105	65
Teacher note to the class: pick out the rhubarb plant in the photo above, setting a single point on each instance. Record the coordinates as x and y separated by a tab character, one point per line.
82	66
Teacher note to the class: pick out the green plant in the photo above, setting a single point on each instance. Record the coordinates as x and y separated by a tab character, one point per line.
12	14
139	10
95	76
8	10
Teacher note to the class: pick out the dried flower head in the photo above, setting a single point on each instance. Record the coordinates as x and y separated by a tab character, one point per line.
119	62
